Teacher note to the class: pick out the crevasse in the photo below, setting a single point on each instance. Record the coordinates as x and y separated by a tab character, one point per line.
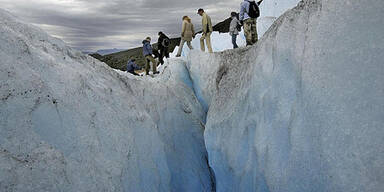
302	110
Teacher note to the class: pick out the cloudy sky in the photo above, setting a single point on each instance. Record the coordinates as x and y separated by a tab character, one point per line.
89	25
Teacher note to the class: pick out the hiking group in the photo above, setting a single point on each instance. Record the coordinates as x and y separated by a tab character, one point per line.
246	19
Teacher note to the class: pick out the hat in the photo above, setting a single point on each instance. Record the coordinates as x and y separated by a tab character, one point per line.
200	10
148	39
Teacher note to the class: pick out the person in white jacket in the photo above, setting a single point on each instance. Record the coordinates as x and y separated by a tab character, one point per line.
233	29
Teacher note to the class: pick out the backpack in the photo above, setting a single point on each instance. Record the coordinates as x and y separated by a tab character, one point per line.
165	42
238	27
254	11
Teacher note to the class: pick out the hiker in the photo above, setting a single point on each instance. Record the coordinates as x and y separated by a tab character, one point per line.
207	31
147	52
163	47
187	34
234	29
132	66
249	12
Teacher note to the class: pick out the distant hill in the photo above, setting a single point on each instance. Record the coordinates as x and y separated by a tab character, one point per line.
109	51
118	60
103	52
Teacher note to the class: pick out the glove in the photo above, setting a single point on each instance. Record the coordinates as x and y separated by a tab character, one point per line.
241	23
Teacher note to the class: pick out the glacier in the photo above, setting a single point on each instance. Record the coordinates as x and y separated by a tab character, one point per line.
303	110
70	123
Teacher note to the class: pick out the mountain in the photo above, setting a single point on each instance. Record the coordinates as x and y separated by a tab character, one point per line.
119	60
108	51
103	51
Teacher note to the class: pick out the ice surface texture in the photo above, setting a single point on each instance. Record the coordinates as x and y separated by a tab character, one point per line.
304	109
70	123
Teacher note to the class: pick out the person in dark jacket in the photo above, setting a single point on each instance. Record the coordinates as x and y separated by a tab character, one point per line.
148	52
163	46
132	66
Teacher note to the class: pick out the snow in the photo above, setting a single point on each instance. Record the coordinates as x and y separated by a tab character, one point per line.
70	123
220	42
303	109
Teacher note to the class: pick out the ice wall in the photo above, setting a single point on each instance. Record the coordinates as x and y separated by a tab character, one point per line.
303	110
270	10
70	123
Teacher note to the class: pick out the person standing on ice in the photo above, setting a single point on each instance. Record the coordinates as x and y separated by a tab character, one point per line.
234	29
163	45
249	12
132	66
147	52
207	31
187	34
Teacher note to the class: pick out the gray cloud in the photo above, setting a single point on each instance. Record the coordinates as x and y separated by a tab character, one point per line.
98	24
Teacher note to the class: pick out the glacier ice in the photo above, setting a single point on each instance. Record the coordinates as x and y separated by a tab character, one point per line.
70	123
270	10
303	110
300	111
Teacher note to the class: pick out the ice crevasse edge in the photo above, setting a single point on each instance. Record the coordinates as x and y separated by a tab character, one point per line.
291	114
304	109
70	123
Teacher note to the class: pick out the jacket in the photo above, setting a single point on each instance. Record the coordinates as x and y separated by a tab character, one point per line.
147	48
187	31
207	24
233	26
160	41
131	66
244	9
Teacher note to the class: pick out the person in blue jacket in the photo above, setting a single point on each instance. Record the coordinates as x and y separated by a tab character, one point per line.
132	66
148	52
